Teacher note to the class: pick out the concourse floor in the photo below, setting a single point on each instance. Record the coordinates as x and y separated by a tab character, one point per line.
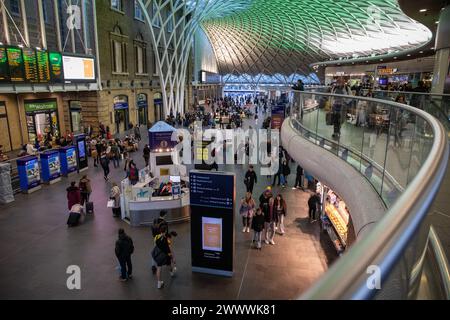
37	247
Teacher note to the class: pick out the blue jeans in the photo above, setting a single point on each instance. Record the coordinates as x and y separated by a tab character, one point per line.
282	179
115	162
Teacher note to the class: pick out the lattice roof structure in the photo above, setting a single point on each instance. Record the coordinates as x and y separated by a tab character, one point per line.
286	36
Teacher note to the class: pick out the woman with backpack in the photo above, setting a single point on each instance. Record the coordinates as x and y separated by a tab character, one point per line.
133	173
247	210
85	189
162	255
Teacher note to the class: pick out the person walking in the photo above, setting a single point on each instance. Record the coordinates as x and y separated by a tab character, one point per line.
266	204
104	162
127	159
85	189
73	195
299	178
162	254
313	206
250	179
278	175
258	227
133	173
247	209
115	154
146	154
285	172
124	250
115	195
137	132
280	210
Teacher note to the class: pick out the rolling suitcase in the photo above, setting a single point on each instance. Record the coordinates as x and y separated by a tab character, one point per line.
89	207
74	219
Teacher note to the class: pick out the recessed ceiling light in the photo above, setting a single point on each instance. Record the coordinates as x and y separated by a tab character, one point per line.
423	10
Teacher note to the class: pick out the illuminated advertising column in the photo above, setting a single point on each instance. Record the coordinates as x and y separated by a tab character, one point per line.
51	166
68	157
82	157
212	198
29	174
277	116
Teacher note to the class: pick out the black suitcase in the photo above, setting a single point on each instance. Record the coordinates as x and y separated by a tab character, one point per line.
89	207
74	219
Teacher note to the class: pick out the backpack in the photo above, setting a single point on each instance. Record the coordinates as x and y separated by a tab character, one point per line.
133	174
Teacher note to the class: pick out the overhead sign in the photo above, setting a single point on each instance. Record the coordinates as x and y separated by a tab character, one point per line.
387	71
56	69
78	68
4	72
211	189
15	64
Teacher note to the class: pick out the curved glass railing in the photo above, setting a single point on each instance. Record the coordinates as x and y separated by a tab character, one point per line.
403	153
437	105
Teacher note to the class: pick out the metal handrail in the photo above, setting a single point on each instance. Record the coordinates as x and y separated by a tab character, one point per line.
412	92
384	244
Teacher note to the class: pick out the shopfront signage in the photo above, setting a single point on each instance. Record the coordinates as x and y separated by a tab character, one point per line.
36	107
387	71
142	100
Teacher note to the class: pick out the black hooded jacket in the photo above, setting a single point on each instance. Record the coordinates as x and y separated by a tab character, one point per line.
124	246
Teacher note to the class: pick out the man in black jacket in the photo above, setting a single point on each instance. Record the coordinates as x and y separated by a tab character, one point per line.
250	179
313	205
299	178
124	249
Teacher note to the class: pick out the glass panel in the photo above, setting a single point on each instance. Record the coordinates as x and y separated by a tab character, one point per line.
76	121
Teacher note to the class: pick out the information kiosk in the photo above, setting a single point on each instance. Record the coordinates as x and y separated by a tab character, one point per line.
29	174
51	166
212	197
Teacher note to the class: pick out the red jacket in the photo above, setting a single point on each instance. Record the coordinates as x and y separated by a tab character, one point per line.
73	196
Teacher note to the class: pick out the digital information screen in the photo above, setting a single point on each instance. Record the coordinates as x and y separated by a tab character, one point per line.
78	68
212	197
15	64
4	72
43	66
30	65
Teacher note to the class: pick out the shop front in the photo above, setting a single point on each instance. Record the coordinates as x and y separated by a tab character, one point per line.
42	119
142	107
335	218
121	113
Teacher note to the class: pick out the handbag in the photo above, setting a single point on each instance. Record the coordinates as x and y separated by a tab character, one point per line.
110	203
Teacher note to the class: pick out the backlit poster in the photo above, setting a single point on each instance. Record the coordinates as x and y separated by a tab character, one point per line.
212	234
55	60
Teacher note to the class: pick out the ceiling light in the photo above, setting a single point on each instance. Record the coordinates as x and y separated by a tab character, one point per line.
432	48
408	55
436	22
381	59
395	57
367	61
423	10
420	51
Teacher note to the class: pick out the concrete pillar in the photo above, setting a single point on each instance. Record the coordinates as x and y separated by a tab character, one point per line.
441	76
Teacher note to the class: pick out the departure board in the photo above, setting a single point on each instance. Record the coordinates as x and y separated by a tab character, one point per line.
43	66
15	63
4	74
30	65
56	66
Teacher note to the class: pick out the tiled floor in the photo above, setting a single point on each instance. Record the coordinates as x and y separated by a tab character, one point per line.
36	248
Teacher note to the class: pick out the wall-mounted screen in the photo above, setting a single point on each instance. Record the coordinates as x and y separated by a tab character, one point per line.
78	68
164	160
15	64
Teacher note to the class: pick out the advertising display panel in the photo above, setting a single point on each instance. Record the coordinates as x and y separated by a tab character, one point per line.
212	198
82	157
51	166
29	173
68	158
78	68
